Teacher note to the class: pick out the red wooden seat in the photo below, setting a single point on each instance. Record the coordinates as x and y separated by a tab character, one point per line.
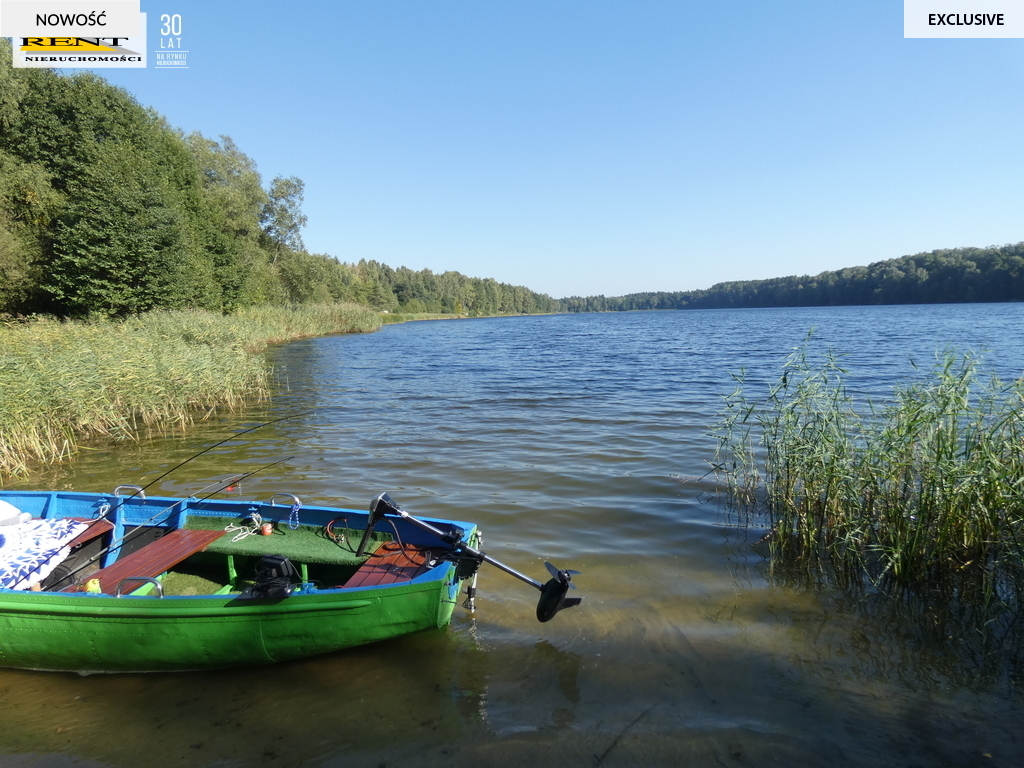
154	558
97	527
390	563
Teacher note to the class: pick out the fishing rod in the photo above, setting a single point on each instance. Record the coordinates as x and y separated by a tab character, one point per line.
215	445
552	593
141	490
221	485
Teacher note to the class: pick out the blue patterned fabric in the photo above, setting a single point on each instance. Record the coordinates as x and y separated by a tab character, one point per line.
30	551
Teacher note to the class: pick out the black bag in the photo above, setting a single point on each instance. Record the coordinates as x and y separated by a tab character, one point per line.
275	579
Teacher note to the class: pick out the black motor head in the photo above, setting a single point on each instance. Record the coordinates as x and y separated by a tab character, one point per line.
382	505
379	506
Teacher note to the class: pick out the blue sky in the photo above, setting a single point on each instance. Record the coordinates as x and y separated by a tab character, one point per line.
586	147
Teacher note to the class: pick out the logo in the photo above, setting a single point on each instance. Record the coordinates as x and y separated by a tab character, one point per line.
170	54
75	45
50	51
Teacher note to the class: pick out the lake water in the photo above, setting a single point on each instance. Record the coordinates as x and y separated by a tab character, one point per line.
579	439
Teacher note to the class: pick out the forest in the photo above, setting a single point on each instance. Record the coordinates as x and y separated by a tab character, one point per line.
950	276
106	210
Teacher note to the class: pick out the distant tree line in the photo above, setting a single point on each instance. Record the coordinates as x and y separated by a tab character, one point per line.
106	209
945	276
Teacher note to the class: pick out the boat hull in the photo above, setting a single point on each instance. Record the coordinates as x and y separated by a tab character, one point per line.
81	631
104	634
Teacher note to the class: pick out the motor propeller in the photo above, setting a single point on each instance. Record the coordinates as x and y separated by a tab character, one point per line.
565	576
552	594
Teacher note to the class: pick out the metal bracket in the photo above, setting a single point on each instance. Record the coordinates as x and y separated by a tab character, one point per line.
154	582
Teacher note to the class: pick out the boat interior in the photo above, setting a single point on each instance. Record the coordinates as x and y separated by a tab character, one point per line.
163	547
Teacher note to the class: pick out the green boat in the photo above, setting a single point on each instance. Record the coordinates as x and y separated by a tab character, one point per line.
123	583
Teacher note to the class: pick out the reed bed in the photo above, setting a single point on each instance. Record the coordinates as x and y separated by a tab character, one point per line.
62	383
923	495
404	317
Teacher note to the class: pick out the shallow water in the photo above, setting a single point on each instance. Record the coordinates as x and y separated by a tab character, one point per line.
581	440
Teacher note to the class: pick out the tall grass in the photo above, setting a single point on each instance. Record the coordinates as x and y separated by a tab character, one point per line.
62	383
924	494
405	317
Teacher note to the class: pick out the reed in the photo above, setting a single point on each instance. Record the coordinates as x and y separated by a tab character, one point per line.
924	494
62	383
404	317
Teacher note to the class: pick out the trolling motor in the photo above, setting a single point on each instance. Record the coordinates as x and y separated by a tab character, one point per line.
552	594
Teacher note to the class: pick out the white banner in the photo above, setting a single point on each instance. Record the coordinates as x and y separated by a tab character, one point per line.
70	18
963	18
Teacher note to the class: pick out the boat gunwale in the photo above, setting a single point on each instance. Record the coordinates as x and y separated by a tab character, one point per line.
13	599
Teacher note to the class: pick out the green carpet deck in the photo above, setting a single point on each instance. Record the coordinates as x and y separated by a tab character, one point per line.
306	544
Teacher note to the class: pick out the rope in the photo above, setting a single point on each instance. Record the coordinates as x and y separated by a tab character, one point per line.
244	530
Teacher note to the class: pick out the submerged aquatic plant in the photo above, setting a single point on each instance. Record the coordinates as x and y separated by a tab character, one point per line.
922	495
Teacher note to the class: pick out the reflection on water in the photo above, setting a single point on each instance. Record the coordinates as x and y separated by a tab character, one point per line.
579	440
